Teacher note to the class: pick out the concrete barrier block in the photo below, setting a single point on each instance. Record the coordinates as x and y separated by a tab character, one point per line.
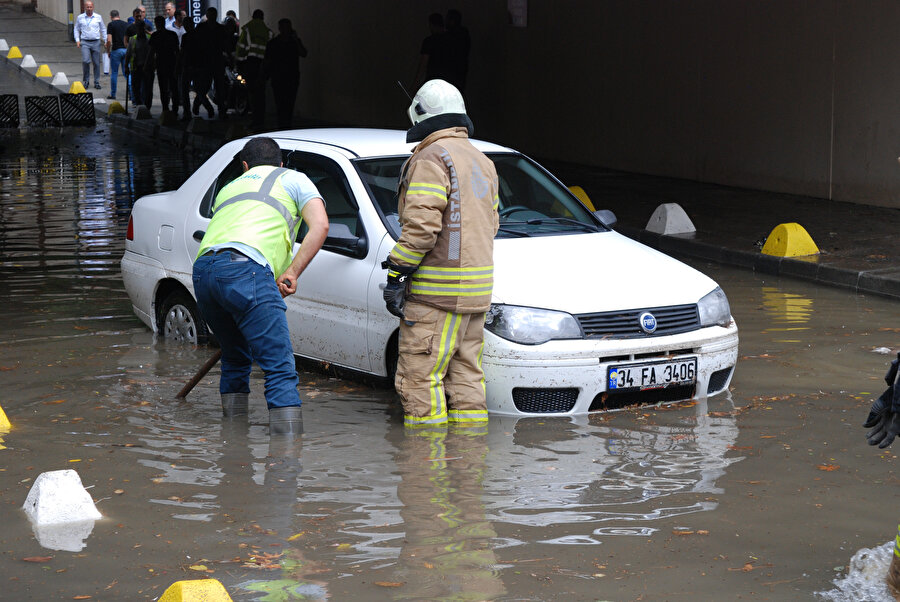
141	112
789	240
60	79
670	218
200	590
14	53
44	71
77	88
58	496
4	47
28	62
115	107
4	421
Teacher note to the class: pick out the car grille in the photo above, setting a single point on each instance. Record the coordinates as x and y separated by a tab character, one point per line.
717	380
544	401
615	401
626	324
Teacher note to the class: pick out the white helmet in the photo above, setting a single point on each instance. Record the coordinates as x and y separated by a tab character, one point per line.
435	97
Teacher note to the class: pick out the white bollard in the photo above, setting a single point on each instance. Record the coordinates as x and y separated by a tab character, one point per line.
3	45
670	218
28	61
59	497
60	79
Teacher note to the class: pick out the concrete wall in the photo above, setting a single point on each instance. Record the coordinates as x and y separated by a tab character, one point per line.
797	96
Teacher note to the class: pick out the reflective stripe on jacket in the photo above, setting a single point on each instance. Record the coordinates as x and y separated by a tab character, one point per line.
257	211
448	216
252	42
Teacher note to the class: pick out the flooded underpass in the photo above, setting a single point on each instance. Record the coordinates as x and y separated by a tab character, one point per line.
765	493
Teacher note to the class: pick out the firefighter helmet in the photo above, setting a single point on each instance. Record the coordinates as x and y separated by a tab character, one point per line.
435	97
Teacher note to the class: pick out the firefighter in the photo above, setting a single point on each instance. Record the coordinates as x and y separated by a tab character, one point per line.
250	52
245	268
440	272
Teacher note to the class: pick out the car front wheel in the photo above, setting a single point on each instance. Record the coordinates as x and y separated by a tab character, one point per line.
180	320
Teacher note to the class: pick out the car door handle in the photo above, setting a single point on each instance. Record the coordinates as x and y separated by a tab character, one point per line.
198	235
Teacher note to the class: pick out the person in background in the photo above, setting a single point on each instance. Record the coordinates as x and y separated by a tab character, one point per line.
434	53
186	66
115	46
250	54
282	66
164	43
90	34
139	65
140	14
170	12
209	37
460	42
244	269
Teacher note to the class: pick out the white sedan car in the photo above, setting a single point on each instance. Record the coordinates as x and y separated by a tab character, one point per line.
583	318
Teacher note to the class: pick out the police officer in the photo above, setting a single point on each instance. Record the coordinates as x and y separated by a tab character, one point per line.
243	271
250	52
440	272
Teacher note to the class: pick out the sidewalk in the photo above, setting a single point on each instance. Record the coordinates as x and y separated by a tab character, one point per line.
859	244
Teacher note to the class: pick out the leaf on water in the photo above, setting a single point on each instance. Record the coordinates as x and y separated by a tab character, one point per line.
82	597
198	567
55	401
119	491
677	532
75	460
828	467
344	546
389	583
38	558
718	414
296	535
428	565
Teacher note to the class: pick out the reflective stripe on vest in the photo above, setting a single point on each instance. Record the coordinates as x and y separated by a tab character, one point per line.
264	195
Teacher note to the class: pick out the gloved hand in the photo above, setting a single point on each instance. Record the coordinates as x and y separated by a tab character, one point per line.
884	432
395	289
881	405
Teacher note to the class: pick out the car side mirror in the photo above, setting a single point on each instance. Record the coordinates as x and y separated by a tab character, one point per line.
607	217
342	240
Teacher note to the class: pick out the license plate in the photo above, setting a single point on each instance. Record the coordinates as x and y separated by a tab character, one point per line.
652	375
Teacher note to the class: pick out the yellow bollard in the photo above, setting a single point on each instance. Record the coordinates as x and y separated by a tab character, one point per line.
77	88
44	71
4	421
14	53
115	107
790	240
202	590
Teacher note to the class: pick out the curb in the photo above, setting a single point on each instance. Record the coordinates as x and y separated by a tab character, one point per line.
814	269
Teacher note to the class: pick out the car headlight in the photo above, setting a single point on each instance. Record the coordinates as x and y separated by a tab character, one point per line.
714	309
530	325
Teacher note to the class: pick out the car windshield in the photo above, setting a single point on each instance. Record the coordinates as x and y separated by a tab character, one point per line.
532	202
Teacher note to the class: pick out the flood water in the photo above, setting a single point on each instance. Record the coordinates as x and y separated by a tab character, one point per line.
763	494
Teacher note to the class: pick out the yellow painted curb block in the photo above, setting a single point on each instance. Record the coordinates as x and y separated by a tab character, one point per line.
582	196
4	421
202	590
44	71
115	107
790	240
77	88
14	53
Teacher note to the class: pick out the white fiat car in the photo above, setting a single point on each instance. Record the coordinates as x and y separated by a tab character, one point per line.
583	319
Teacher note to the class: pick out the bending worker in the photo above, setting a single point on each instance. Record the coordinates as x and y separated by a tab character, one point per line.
440	272
248	242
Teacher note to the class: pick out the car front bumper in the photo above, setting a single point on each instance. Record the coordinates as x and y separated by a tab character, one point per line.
570	377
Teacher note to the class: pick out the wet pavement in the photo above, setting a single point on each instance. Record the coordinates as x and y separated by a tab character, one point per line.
765	493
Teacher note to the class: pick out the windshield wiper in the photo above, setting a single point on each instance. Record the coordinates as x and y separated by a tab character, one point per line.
537	221
511	231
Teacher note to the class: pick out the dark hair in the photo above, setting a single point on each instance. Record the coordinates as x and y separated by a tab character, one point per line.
436	19
113	13
212	13
261	151
159	21
136	13
258	14
285	22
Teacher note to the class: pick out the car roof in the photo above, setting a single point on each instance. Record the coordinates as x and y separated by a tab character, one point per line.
365	142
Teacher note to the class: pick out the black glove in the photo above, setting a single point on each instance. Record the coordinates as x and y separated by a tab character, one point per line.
884	432
395	289
881	405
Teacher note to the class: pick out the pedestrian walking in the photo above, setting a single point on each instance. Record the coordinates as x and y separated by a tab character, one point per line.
250	54
243	271
164	45
90	34
282	67
115	46
139	60
186	66
440	271
210	43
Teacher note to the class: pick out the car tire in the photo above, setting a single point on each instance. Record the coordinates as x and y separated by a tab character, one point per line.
180	321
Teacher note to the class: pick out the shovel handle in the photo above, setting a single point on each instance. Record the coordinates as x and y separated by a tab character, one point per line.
212	361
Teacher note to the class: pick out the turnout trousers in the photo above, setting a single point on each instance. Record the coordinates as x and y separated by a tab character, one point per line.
439	376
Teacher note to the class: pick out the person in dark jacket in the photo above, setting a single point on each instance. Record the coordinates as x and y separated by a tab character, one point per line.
282	65
210	41
164	45
139	62
186	67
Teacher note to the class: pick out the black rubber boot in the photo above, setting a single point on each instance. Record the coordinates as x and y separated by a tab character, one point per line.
285	421
235	404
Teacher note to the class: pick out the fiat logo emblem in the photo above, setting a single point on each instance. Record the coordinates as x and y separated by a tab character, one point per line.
648	322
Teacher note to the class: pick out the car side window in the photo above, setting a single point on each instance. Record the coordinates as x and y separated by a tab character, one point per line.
332	184
231	171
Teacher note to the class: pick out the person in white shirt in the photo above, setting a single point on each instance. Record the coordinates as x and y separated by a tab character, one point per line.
90	34
175	22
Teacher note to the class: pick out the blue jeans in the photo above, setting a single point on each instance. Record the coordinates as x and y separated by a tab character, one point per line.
90	53
116	61
239	299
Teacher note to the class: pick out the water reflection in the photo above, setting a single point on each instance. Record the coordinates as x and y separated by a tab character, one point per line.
790	313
